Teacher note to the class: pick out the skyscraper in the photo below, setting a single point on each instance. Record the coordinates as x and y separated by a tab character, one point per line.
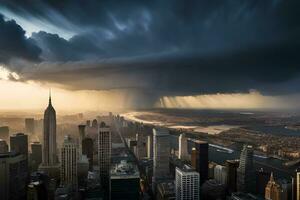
262	178
297	185
81	129
245	171
13	176
231	166
104	155
273	190
141	150
194	158
3	146
183	152
4	133
201	159
69	158
161	154
95	123
87	149
36	155
29	125
125	173
49	145
150	146
187	183
19	144
220	174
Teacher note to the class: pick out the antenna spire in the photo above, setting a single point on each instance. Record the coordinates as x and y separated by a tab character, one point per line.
50	96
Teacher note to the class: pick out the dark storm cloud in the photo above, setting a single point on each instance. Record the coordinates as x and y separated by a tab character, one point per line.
14	44
56	48
168	47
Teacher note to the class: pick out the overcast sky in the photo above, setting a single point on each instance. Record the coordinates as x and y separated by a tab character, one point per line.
154	48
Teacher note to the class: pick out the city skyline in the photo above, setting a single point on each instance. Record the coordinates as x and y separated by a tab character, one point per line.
150	100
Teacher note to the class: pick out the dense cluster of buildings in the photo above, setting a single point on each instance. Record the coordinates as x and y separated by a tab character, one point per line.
111	158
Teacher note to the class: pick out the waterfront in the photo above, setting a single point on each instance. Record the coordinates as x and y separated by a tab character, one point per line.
220	122
220	155
279	130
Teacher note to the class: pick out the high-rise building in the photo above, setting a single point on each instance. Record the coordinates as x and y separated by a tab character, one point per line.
88	123
125	173
13	176
19	144
211	170
81	129
296	191
273	190
212	189
3	146
36	155
95	123
104	155
49	145
262	179
201	159
187	183
141	150
245	171
183	151
161	154
29	126
4	133
194	158
88	149
286	189
231	166
82	170
150	146
36	190
166	190
69	158
220	174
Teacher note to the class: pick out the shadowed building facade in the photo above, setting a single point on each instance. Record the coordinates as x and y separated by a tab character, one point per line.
104	156
200	158
49	145
161	154
50	163
245	171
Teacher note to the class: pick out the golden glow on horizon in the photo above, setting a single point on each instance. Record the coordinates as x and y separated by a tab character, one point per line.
32	96
17	95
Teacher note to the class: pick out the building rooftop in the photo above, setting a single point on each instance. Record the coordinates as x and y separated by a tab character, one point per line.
186	168
167	188
124	170
9	154
18	134
197	141
244	196
161	132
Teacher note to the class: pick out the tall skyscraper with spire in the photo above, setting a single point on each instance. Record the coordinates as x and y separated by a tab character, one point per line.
49	143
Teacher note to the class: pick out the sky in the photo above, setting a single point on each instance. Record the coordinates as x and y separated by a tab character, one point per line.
145	54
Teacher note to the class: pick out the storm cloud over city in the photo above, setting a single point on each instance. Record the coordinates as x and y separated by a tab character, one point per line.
154	49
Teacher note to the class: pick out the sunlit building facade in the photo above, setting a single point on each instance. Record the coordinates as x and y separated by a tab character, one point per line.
187	183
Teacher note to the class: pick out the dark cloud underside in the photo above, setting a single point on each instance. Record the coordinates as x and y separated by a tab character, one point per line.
13	42
161	47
